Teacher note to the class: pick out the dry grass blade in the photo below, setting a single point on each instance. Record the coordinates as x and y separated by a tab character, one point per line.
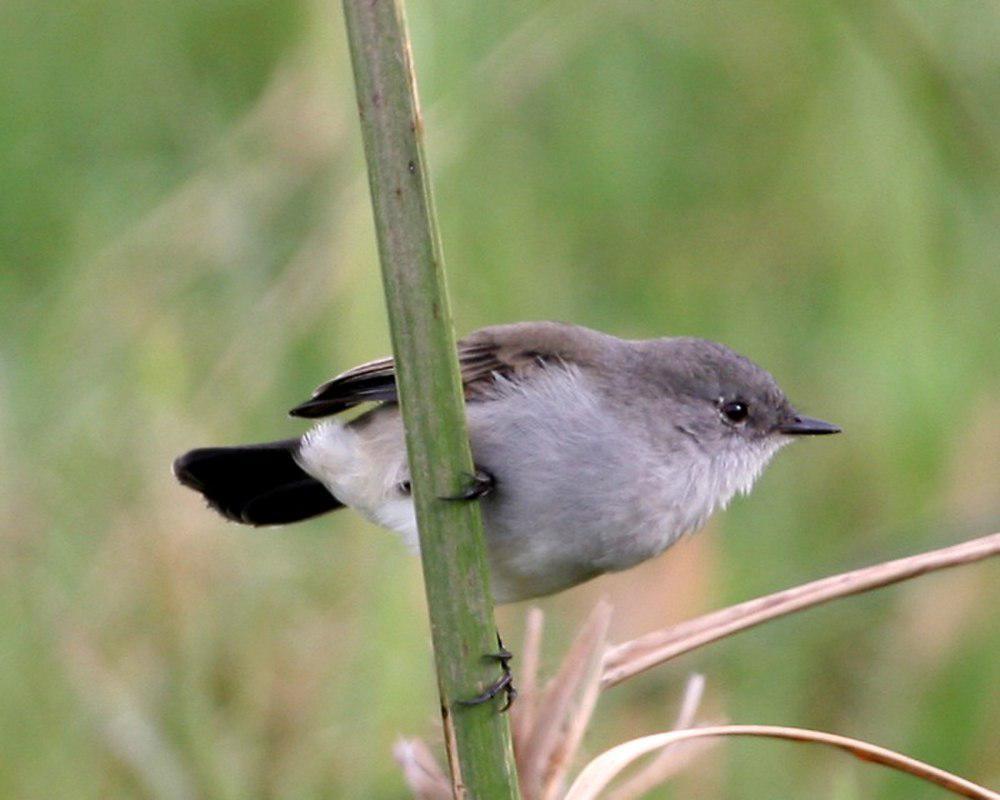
603	769
523	712
629	659
579	714
671	760
694	690
421	771
557	700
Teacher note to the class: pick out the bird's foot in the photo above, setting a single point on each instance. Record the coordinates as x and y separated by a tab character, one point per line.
479	484
505	683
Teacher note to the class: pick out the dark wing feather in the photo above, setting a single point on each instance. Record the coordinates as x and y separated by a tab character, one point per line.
511	351
373	381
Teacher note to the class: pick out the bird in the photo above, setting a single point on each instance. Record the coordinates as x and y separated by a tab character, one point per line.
592	453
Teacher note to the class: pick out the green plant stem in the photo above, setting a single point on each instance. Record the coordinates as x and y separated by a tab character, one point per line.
430	392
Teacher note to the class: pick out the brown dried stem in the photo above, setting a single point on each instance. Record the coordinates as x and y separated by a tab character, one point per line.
626	660
599	772
671	760
523	716
550	742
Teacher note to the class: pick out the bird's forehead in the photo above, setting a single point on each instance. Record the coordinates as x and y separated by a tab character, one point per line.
711	369
752	382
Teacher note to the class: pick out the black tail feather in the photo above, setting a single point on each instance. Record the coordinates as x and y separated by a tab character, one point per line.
257	484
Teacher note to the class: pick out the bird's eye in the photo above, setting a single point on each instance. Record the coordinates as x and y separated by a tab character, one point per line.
736	411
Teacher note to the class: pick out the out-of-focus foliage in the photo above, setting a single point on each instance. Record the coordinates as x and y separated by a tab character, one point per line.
186	250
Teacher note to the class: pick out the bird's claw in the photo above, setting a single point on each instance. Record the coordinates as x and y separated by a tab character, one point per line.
480	483
505	683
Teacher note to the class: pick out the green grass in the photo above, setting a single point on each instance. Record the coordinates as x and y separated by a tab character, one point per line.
186	250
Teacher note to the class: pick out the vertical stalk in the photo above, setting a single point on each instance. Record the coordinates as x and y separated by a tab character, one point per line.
430	392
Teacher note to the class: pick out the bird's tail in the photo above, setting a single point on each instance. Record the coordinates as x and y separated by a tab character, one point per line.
257	484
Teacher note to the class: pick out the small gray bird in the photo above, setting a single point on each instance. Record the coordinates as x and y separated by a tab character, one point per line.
593	453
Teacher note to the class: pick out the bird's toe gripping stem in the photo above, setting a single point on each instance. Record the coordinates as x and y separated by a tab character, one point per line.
480	483
505	683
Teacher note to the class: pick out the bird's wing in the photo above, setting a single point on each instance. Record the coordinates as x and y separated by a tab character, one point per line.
511	351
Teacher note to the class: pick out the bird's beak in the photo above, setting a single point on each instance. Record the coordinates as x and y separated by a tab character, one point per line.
807	426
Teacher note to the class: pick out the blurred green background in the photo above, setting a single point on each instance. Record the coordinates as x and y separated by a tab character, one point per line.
186	250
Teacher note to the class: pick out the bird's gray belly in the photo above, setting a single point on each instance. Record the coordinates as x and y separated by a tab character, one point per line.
572	500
